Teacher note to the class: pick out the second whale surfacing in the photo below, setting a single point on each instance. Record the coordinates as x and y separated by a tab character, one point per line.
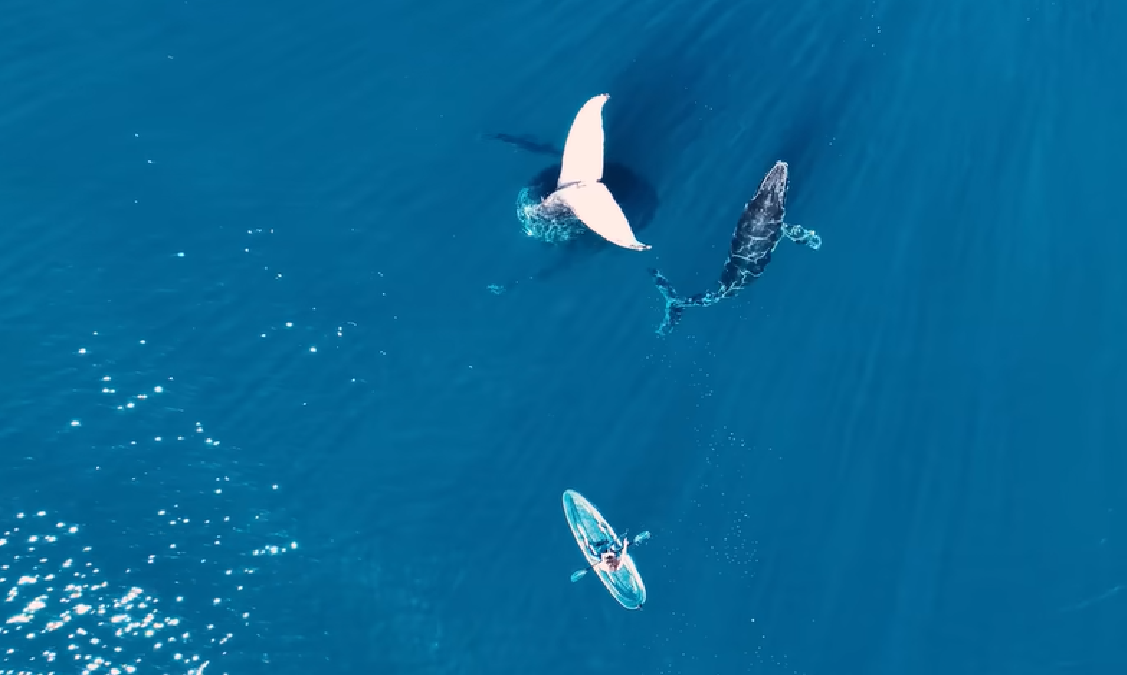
757	234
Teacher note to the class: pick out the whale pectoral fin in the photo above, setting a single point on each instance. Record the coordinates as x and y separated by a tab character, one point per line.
800	235
583	150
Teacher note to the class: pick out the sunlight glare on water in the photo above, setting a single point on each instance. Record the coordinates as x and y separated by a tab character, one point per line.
62	605
164	577
62	612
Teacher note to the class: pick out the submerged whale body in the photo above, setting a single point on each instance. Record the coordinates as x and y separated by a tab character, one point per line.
581	193
757	234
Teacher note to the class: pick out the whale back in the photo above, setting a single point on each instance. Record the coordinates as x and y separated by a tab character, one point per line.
770	198
593	204
583	150
757	233
761	222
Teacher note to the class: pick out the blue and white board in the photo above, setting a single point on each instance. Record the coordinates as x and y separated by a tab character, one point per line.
588	526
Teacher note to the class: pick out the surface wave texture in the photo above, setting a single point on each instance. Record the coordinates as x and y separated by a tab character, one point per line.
260	413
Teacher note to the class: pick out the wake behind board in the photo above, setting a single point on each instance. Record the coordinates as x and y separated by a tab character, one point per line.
589	526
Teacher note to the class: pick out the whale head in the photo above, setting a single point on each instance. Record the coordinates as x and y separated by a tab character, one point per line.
772	192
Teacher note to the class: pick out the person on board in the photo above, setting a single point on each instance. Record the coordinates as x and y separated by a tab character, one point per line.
609	559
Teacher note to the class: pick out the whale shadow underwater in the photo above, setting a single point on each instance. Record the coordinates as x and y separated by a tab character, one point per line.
568	240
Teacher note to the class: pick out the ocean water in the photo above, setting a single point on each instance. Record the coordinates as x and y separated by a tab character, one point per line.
259	411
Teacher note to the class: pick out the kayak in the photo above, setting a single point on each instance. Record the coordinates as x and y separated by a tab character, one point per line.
591	529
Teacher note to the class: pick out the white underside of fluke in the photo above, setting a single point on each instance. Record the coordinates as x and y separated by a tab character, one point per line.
580	185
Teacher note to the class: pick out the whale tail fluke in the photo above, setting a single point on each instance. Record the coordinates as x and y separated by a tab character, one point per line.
596	207
580	187
674	304
583	150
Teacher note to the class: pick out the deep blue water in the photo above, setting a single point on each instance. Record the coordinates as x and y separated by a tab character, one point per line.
249	366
